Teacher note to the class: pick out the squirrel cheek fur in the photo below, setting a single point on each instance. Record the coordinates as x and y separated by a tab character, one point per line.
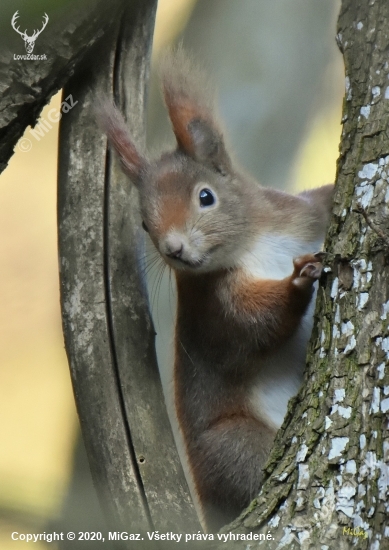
245	265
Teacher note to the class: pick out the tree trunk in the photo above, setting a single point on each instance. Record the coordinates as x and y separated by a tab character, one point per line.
328	475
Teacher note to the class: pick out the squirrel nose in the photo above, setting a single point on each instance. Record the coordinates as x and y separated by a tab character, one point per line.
175	252
174	246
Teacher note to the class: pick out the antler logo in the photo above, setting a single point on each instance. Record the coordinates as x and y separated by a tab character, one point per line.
29	41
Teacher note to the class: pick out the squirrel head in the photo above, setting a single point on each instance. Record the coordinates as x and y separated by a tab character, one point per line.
193	204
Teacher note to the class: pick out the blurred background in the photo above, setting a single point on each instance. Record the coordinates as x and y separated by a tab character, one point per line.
280	81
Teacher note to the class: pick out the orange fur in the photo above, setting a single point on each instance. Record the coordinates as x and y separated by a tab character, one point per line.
181	112
175	216
260	298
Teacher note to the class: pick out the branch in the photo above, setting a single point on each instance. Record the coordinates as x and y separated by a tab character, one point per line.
27	86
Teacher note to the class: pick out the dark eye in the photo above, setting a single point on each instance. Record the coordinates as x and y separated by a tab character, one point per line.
145	227
207	198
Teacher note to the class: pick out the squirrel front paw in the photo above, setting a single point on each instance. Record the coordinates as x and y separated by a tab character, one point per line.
307	269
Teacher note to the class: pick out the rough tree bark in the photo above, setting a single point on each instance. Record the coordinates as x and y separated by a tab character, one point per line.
328	475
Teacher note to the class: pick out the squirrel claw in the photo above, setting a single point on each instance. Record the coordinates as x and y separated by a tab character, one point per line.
307	269
312	270
320	256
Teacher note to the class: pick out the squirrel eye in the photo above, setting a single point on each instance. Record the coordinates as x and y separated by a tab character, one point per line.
145	227
207	198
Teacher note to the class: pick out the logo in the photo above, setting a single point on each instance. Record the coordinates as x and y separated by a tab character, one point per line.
29	41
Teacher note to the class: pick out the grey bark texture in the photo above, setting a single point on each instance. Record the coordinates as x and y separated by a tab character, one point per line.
108	332
328	474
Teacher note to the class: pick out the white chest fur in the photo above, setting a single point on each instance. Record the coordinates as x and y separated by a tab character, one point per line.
271	256
280	375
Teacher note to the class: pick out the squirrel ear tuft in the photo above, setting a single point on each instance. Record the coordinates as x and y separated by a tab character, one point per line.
112	122
190	104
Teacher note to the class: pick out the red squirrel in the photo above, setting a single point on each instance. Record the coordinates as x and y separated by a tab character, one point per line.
245	263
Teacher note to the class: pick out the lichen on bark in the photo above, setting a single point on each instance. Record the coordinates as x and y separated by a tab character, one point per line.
328	474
